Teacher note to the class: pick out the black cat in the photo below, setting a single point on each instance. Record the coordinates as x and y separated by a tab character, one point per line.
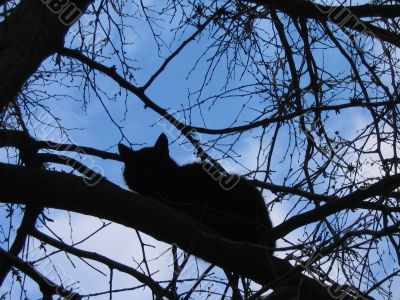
237	212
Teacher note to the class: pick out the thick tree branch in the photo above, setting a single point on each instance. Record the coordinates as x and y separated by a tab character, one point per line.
354	200
30	34
68	192
31	213
18	139
343	16
309	9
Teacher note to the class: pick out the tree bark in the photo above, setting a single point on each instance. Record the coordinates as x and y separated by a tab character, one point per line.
24	185
30	34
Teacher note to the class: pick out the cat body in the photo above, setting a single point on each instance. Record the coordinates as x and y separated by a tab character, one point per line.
237	213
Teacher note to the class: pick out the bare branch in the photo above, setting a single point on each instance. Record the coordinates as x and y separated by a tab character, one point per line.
112	264
47	287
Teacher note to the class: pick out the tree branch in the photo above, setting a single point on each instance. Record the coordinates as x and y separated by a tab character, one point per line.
29	35
28	222
154	286
25	185
342	16
187	129
18	139
352	200
47	287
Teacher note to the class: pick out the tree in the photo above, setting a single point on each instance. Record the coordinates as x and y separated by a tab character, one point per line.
310	88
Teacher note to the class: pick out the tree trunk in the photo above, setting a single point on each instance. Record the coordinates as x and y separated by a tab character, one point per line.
30	34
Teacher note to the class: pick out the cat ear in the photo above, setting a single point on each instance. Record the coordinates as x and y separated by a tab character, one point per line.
162	144
125	151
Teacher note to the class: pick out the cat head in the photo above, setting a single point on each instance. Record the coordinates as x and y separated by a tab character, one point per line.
159	150
147	164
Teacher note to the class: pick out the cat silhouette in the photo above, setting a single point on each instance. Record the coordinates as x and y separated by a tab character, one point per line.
236	212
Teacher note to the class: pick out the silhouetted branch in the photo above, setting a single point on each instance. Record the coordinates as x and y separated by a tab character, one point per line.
343	16
352	200
68	192
47	287
112	264
31	214
18	139
187	129
20	54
